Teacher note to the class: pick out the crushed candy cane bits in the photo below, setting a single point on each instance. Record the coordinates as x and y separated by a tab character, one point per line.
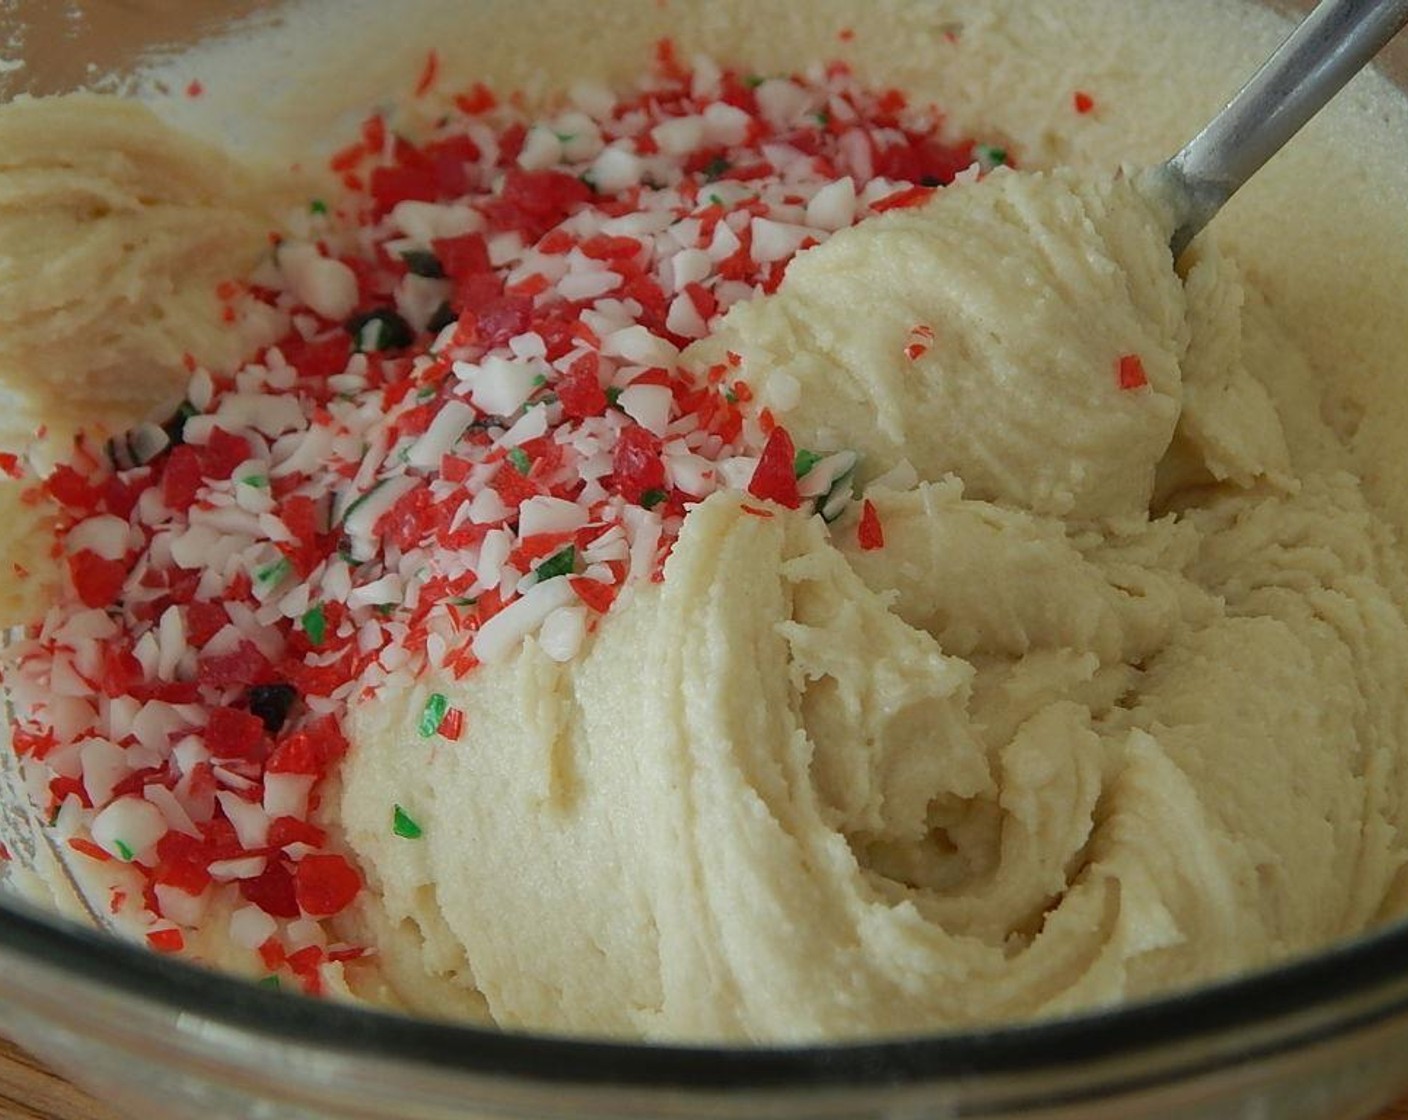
474	427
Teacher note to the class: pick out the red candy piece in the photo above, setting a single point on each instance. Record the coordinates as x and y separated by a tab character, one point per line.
466	255
246	665
182	478
315	358
71	489
231	733
166	940
325	884
1130	371
310	751
88	848
390	185
452	726
775	477
504	318
219	458
284	831
97	581
636	464
869	531
535	201
182	863
596	595
273	891
925	162
579	389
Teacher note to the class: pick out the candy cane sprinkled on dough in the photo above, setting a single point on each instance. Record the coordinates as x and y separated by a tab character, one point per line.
474	428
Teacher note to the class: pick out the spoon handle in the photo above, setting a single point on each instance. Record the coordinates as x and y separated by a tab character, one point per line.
1332	44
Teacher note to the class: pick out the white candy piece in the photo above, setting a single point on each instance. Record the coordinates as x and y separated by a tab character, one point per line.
680	136
544	514
326	286
562	633
103	534
129	829
615	169
442	435
250	927
498	386
104	764
834	206
648	405
505	632
250	820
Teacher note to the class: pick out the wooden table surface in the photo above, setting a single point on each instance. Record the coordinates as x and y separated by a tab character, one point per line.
28	1091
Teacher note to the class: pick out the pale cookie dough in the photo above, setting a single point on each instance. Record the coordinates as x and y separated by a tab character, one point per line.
1019	297
117	231
1047	748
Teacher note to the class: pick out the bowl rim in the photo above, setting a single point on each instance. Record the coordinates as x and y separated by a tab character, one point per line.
1350	986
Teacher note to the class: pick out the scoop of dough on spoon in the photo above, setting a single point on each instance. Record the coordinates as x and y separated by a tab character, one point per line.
1333	43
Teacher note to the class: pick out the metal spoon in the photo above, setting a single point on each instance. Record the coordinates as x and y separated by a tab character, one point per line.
1333	44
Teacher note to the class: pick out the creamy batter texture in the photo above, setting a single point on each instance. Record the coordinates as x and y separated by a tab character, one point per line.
1117	708
116	232
1065	739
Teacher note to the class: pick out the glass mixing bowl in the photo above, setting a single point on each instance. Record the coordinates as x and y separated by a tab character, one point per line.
1320	1037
